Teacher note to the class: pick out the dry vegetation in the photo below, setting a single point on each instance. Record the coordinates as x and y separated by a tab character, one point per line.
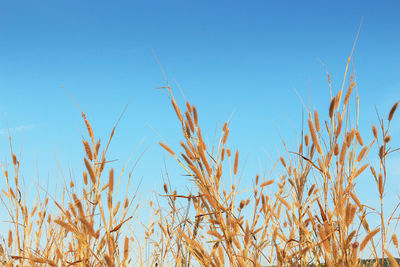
309	213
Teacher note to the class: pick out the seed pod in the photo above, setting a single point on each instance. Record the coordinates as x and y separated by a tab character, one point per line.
375	131
235	166
392	110
387	139
316	118
332	107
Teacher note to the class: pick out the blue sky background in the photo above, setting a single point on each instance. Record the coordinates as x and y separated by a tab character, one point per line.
246	57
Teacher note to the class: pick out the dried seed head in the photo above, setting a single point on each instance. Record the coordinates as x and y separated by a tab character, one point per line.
373	172
165	188
90	170
368	237
359	139
126	247
266	183
109	200
350	137
189	120
65	225
189	108
380	184
362	153
395	241
167	148
311	190
375	131
78	204
222	154
283	161
111	180
381	152
225	136
14	158
314	136
187	151
72	208
103	163
343	153
186	130
97	147
205	161
88	150
85	180
360	170
339	126
89	227
387	139
392	110
225	127
300	149
351	86
332	106
126	203
177	110
350	238
364	223
306	140
10	239
116	208
89	128
328	159
235	166
195	116
316	118
186	159
350	212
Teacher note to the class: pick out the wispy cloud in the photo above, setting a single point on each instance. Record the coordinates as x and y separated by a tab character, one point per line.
18	129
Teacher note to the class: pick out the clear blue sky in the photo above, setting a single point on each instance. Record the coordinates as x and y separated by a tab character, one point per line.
243	56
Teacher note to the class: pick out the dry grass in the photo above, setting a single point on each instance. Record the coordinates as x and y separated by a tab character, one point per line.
308	213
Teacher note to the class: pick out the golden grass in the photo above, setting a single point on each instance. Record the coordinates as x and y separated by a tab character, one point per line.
307	213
